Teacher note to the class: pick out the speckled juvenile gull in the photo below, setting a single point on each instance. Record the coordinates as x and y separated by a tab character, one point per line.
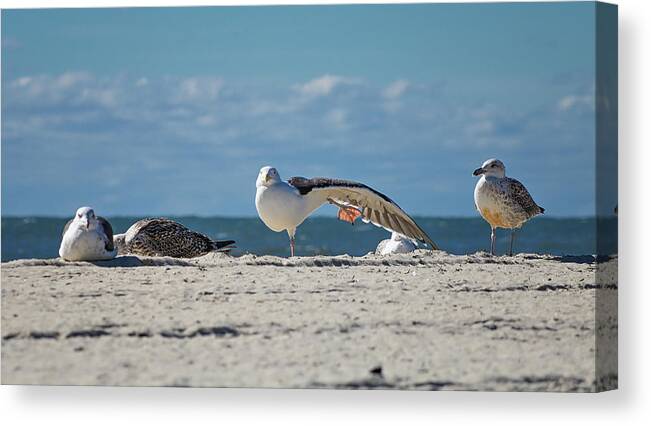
87	237
165	237
502	201
283	206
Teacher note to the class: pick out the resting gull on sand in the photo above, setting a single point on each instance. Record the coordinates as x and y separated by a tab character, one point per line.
283	206
502	201
87	237
165	237
396	244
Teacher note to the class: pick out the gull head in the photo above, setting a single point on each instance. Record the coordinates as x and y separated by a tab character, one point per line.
268	176
120	243
398	237
492	167
85	217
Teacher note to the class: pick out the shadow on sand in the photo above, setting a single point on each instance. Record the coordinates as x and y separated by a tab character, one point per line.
118	262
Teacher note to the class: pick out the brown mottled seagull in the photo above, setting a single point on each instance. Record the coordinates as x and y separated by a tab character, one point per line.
283	206
165	237
502	201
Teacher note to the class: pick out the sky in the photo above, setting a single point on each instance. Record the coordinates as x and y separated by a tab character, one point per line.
144	111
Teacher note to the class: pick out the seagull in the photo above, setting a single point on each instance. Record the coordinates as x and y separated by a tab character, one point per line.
398	243
165	237
87	237
502	201
283	206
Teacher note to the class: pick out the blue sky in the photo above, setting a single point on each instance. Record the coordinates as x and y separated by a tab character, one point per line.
173	111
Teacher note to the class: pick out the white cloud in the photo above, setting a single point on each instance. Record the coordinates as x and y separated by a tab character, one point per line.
337	118
70	79
575	101
200	89
23	81
323	85
65	90
395	89
104	97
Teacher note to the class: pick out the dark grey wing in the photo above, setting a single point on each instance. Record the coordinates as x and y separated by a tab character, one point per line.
108	231
305	185
374	206
65	228
519	193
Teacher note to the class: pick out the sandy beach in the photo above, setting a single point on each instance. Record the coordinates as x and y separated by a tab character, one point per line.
420	321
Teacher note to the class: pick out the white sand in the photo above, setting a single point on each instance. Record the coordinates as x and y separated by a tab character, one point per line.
414	321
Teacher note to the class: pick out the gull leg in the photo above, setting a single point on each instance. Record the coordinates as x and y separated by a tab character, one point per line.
493	241
292	242
512	238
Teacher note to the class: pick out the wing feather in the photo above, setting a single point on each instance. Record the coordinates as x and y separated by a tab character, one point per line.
374	206
108	231
523	198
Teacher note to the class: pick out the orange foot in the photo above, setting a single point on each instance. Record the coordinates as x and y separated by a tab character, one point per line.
348	214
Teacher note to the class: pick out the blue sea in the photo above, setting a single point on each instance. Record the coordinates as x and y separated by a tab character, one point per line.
39	237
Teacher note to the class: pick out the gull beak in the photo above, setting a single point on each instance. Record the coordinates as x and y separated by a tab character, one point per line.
266	178
478	172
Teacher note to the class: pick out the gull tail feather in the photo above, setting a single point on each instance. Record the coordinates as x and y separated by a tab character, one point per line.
223	246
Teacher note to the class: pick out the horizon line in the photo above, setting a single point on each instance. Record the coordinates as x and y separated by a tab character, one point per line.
199	216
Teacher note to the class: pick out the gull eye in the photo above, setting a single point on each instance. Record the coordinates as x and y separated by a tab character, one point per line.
78	214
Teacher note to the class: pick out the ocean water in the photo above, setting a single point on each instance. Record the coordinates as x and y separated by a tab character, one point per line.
39	237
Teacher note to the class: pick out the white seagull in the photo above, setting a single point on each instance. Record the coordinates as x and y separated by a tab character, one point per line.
87	237
165	237
283	206
502	201
396	244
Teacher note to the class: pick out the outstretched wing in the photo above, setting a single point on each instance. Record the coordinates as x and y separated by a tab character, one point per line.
519	193
108	231
374	206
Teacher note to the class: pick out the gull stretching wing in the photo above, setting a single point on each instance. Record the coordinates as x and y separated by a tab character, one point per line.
283	206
